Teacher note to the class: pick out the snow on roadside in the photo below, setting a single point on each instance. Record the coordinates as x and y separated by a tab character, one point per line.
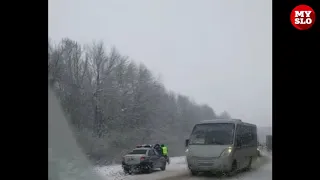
115	172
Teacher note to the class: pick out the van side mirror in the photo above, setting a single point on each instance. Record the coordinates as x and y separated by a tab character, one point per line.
187	142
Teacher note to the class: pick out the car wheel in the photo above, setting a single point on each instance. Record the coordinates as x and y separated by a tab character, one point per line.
131	170
126	171
149	169
164	166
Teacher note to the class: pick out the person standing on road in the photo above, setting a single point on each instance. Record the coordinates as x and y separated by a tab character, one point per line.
165	152
158	149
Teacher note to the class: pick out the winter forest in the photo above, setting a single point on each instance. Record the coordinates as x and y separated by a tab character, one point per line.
114	103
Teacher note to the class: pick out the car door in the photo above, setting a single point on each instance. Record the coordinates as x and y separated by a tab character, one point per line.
154	158
239	152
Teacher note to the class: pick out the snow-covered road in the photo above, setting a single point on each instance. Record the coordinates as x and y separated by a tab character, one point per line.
261	170
115	172
177	170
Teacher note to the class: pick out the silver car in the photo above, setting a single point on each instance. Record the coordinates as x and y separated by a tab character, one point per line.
143	159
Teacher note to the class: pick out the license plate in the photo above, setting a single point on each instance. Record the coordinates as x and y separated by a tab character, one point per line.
129	159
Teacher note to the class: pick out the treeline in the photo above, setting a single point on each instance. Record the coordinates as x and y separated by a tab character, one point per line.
113	103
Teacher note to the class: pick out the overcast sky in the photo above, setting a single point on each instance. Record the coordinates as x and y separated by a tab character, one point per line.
215	51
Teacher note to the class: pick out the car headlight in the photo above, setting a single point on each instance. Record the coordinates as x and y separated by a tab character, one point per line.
226	152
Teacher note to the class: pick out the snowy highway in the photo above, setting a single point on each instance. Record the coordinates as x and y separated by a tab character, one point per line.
66	159
177	170
261	170
115	172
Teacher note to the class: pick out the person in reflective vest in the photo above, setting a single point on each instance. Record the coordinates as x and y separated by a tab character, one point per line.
165	152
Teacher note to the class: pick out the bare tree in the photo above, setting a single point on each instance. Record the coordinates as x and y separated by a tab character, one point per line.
114	103
224	115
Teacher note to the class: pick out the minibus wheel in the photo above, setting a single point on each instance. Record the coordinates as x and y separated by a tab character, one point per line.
233	168
194	173
249	165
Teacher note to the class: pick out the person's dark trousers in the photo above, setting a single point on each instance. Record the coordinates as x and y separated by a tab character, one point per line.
167	158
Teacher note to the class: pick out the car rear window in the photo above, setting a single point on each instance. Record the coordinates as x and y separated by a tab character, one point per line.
138	151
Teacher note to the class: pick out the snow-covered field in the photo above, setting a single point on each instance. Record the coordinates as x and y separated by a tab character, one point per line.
262	170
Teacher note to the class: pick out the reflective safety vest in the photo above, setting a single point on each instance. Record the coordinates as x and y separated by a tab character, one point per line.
165	150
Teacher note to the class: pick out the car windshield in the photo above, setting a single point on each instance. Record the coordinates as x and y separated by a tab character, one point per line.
138	151
213	134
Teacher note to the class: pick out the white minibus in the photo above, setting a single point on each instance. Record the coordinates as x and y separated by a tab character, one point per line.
221	146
